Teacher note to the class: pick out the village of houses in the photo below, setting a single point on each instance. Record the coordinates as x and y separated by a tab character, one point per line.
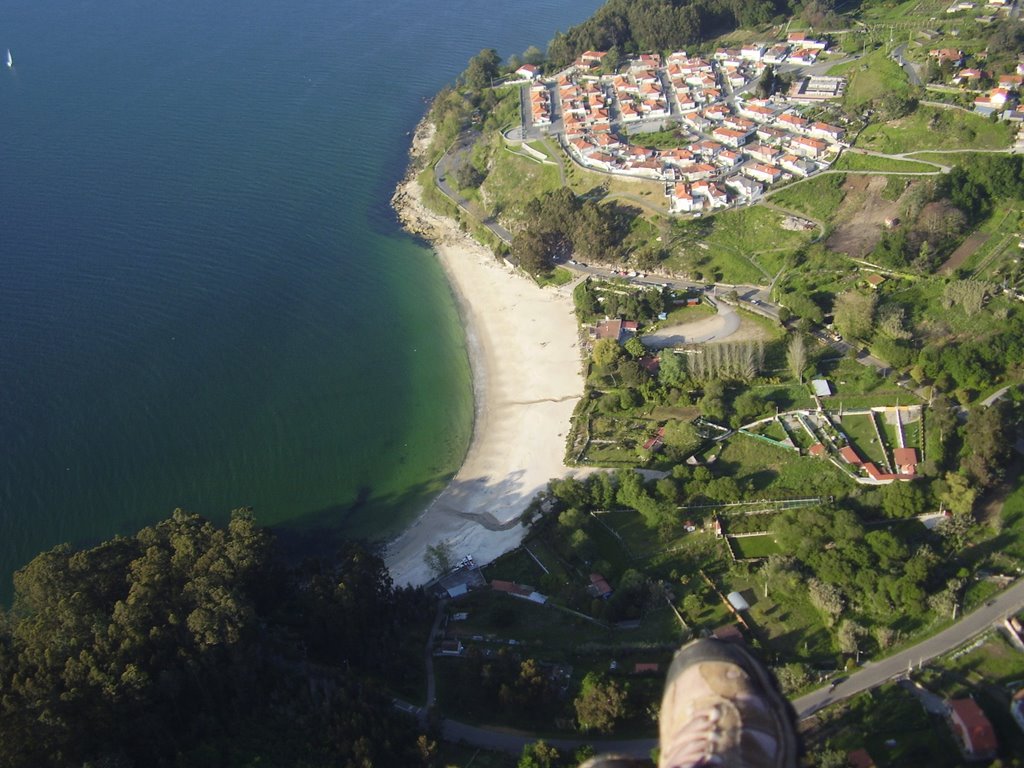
1002	100
735	146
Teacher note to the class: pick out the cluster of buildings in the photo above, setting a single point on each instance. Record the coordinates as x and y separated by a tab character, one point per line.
1002	100
966	5
732	147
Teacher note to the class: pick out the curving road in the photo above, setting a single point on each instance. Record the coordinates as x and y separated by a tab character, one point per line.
873	674
449	163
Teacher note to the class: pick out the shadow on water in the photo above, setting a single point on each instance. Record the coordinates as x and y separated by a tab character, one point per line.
319	533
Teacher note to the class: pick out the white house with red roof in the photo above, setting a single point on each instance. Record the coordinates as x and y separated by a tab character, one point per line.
752	51
727	158
776	54
730	137
808	147
697	172
804	56
708	149
825	131
768	174
602	161
801	40
592	59
762	153
791	121
973	731
681	199
1011	82
528	72
757	112
968	74
798	166
582	146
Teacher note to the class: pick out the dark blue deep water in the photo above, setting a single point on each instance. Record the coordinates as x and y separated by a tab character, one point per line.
205	300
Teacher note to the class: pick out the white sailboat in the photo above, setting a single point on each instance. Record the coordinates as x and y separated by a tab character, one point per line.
10	59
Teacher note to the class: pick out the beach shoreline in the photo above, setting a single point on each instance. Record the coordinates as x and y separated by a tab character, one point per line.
523	347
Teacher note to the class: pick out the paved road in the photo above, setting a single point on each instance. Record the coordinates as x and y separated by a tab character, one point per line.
897	56
756	298
875	673
450	161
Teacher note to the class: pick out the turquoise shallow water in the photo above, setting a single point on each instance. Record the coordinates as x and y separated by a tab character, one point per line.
205	300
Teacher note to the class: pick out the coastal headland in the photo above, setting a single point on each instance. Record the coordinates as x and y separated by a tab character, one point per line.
523	345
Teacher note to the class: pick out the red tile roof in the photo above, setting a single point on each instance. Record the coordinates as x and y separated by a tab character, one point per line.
973	728
851	456
510	587
904	456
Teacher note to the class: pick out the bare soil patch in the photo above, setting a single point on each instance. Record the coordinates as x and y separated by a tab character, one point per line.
964	252
863	213
749	331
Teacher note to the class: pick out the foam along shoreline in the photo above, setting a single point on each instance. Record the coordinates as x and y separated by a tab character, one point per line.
524	353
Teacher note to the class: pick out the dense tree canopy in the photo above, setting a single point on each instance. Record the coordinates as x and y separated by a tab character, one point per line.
558	224
658	25
180	646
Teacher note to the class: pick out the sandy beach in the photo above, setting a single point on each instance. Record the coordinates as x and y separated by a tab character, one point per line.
527	377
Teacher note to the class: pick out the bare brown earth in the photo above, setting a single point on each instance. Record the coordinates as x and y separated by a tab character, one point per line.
863	213
964	252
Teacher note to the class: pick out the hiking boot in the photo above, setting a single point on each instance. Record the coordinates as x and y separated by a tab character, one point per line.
721	707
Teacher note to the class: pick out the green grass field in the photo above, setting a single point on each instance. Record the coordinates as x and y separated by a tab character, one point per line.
557	276
502	617
755	546
748	245
999	254
851	161
784	620
818	197
862	437
615	440
777	472
870	78
935	128
510	174
659	139
687	315
772	430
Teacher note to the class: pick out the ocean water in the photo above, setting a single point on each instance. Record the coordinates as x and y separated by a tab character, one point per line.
205	300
